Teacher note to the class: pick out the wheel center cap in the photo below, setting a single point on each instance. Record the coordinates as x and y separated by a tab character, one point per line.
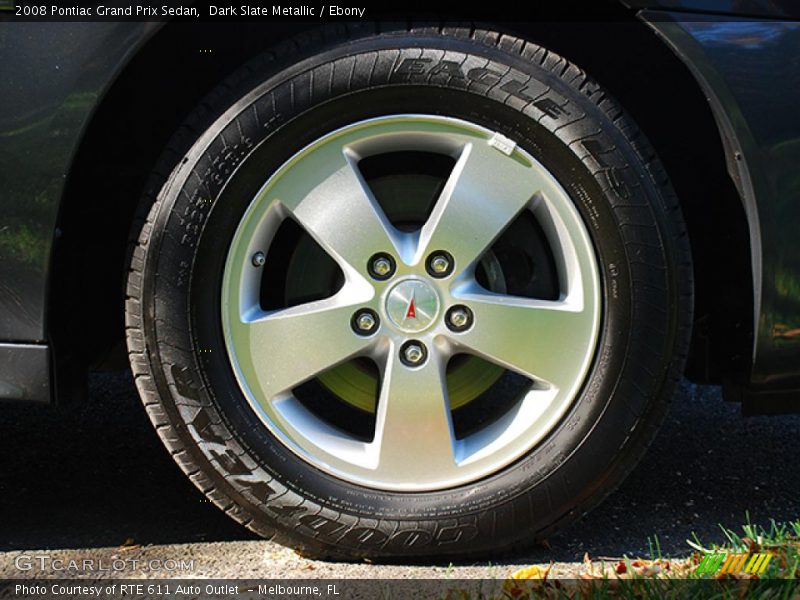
412	305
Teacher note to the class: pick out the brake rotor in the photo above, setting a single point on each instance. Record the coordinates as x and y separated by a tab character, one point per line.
467	378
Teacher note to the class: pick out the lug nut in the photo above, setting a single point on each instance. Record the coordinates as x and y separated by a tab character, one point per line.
258	259
364	322
459	318
381	266
413	354
439	264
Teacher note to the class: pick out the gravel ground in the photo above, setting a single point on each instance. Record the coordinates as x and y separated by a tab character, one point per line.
93	482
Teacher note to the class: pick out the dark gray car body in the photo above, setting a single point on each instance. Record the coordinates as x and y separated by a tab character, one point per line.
744	57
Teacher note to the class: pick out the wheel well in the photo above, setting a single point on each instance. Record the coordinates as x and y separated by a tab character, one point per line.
183	62
663	97
144	107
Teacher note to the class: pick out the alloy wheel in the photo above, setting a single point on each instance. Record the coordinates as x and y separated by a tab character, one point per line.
411	302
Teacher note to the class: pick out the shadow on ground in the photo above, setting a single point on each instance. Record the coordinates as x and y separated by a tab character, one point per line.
96	474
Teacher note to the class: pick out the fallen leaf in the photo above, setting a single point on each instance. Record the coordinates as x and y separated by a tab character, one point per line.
752	545
129	545
528	573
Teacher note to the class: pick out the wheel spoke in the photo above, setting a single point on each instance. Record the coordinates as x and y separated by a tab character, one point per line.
290	346
483	195
339	211
541	339
413	430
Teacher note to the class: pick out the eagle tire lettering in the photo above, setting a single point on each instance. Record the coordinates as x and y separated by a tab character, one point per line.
529	91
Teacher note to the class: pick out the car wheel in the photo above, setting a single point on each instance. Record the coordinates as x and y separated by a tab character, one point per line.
409	294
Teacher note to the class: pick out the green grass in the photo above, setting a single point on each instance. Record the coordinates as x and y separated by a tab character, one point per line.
662	577
780	539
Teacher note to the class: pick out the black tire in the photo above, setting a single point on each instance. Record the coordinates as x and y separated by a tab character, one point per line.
276	105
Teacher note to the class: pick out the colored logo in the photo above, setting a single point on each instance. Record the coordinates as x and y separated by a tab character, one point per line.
723	563
412	305
411	313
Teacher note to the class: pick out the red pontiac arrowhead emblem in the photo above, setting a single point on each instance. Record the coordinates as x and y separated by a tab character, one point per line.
412	305
411	313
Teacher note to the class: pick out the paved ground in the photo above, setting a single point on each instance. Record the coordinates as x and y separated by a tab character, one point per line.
83	481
